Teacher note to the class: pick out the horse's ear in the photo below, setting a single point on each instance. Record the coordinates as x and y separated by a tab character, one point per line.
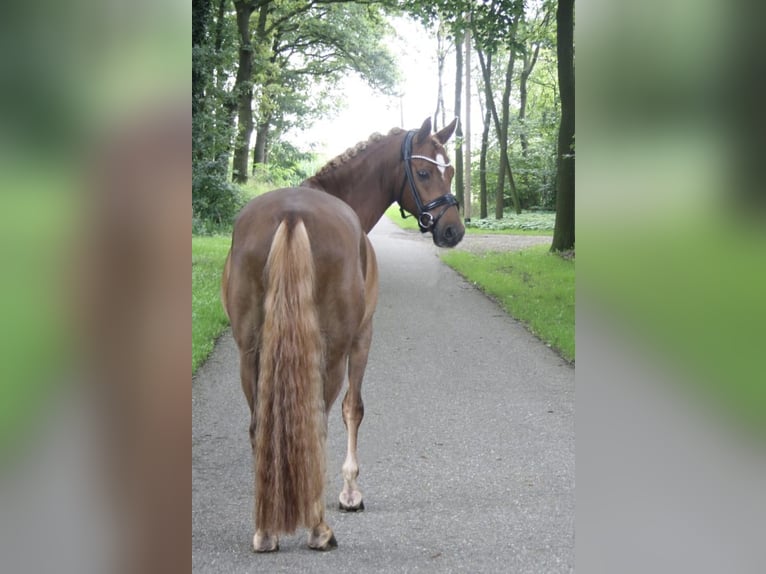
446	132
424	132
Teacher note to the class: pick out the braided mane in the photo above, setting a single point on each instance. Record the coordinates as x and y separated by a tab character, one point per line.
354	151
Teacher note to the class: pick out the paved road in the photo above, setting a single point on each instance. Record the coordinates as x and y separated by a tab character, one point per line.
466	450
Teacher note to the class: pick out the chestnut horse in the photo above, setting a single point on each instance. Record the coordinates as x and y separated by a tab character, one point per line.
300	285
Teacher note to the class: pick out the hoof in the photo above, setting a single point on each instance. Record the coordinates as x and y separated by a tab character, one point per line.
345	508
322	539
331	544
351	502
265	543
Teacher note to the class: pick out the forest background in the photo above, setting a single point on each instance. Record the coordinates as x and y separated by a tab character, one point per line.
279	87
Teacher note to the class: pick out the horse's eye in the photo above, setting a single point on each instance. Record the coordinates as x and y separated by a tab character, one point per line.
423	174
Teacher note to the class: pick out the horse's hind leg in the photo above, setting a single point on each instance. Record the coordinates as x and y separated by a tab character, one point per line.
262	541
321	536
353	412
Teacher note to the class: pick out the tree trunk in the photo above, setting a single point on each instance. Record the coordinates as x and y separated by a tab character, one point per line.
483	159
564	230
467	157
505	164
459	183
486	72
243	87
441	54
261	144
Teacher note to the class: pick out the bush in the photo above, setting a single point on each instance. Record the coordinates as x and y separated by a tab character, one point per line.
287	166
215	200
536	220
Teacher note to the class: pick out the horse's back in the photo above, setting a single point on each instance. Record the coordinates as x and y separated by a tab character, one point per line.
332	225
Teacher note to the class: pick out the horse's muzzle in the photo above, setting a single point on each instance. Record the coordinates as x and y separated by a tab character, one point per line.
448	235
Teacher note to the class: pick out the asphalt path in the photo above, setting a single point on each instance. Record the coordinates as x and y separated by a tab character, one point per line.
466	451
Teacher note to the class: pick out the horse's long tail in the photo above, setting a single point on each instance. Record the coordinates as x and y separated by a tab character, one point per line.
290	423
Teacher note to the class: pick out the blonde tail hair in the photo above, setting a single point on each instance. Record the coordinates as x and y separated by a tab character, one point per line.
290	417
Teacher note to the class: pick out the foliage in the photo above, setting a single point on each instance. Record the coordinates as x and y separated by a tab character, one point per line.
214	198
272	65
301	48
213	101
337	38
526	221
534	286
535	170
501	28
208	317
288	165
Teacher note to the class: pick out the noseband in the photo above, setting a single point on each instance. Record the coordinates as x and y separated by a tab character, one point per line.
426	221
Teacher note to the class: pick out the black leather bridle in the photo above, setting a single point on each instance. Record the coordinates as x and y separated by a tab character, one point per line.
426	221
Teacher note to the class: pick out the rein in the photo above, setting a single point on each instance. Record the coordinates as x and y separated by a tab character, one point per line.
426	221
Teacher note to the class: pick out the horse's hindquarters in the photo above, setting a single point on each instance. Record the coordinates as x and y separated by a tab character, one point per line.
295	290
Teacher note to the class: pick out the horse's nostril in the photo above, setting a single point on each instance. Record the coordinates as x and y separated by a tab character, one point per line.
449	233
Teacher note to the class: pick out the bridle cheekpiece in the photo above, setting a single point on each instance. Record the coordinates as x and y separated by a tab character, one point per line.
426	221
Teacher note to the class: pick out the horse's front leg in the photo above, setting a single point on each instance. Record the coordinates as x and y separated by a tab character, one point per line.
353	412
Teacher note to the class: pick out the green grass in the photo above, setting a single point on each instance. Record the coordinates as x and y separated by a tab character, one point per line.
528	223
208	317
534	286
689	291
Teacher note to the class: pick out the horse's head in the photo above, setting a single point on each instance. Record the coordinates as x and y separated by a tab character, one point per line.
428	174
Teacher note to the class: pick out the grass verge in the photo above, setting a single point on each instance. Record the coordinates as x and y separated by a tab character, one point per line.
524	224
208	317
534	286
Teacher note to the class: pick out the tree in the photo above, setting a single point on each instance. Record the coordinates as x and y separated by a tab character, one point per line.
262	67
459	180
309	56
200	22
441	56
501	129
213	198
502	136
495	25
530	54
485	146
564	230
295	46
243	85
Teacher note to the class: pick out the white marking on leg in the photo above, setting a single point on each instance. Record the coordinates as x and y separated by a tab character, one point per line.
350	497
265	542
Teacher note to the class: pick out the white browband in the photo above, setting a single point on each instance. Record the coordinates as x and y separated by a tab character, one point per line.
433	161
